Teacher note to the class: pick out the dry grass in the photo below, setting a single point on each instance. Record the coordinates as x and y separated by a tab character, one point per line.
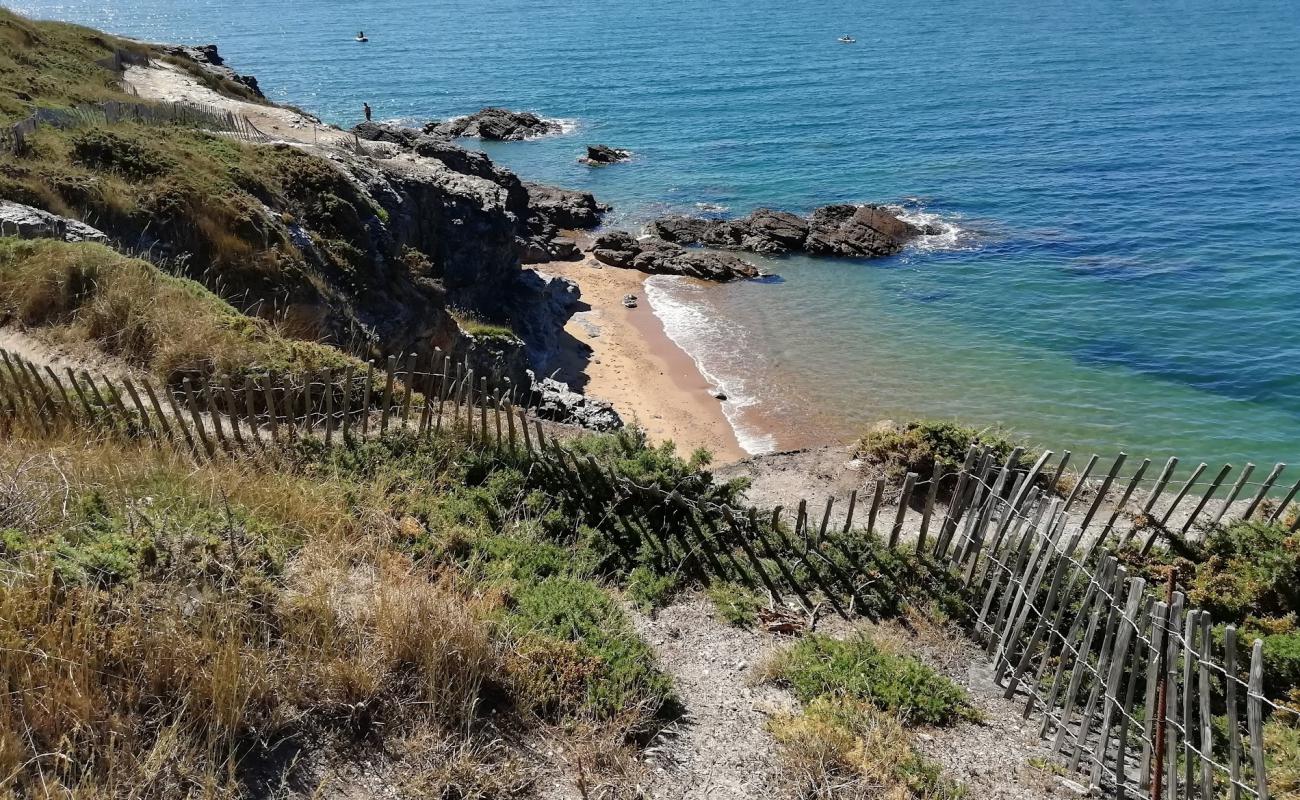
178	683
130	310
840	750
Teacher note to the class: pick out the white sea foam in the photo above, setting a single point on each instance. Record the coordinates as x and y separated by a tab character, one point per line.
951	235
713	208
713	344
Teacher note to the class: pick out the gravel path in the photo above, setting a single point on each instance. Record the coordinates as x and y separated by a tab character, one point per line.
721	749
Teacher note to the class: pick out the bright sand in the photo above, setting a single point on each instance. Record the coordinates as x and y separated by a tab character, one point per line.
634	365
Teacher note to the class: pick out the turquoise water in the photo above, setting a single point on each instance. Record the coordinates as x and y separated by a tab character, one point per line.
1122	181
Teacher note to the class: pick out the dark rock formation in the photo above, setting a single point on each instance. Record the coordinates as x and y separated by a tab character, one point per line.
387	132
553	400
566	208
868	231
496	124
599	155
539	306
621	249
26	222
210	61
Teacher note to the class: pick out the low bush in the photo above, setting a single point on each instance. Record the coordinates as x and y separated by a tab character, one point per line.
736	604
855	668
920	445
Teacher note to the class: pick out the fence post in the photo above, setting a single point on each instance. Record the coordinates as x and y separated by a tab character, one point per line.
1081	483
1234	718
348	375
1178	498
1127	622
412	363
1124	498
273	414
327	377
157	409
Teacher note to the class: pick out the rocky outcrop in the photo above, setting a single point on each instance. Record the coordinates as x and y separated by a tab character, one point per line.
554	401
26	222
848	231
387	132
621	249
497	125
539	306
206	57
566	208
600	154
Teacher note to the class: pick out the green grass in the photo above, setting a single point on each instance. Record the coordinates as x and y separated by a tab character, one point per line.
477	327
736	604
819	666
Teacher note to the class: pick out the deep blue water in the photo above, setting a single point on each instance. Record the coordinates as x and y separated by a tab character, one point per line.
1125	178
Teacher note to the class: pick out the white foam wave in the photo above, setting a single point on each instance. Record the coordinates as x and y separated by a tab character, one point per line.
567	125
713	208
711	343
950	234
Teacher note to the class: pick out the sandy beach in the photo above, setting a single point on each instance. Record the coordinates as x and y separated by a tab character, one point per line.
634	365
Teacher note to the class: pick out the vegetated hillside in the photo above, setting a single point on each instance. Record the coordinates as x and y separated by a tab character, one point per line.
367	254
130	310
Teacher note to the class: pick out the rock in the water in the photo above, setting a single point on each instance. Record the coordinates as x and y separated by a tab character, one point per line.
387	132
868	231
565	208
621	249
858	231
26	222
600	154
555	401
498	125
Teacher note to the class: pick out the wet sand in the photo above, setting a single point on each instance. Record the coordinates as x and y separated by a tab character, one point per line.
633	364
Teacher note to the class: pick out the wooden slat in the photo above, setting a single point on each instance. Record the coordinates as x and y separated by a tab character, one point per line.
408	384
1173	646
1159	619
388	394
931	495
1191	631
365	397
1178	498
1214	487
1080	483
877	495
908	482
1207	720
1255	717
1232	495
345	424
1105	488
1124	498
1264	490
1127	626
1232	710
327	378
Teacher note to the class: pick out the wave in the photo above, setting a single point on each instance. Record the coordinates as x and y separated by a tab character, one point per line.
713	344
951	235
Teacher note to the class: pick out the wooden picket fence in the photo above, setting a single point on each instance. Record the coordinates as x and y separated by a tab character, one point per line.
13	138
1086	647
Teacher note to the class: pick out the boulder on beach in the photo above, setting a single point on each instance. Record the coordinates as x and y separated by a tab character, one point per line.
655	256
844	230
600	154
497	125
554	401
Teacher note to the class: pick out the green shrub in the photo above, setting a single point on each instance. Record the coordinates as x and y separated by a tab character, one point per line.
736	604
650	590
1248	569
856	668
921	444
131	158
569	610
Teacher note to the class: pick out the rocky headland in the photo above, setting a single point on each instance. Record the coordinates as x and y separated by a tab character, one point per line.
841	230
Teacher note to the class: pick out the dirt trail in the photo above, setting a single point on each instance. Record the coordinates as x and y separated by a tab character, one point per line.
58	357
721	750
170	84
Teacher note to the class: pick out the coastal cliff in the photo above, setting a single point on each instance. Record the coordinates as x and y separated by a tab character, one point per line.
390	241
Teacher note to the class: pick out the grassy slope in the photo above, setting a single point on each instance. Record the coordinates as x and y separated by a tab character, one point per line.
130	310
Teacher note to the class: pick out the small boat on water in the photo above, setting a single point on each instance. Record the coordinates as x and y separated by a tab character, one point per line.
846	39
361	36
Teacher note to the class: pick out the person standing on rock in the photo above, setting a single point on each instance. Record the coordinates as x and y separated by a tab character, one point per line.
366	106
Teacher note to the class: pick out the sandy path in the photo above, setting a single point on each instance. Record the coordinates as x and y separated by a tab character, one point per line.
634	365
170	84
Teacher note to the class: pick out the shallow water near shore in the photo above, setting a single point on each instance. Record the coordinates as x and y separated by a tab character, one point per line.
1121	184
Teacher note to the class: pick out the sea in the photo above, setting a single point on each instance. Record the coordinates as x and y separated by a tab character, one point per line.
1118	184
